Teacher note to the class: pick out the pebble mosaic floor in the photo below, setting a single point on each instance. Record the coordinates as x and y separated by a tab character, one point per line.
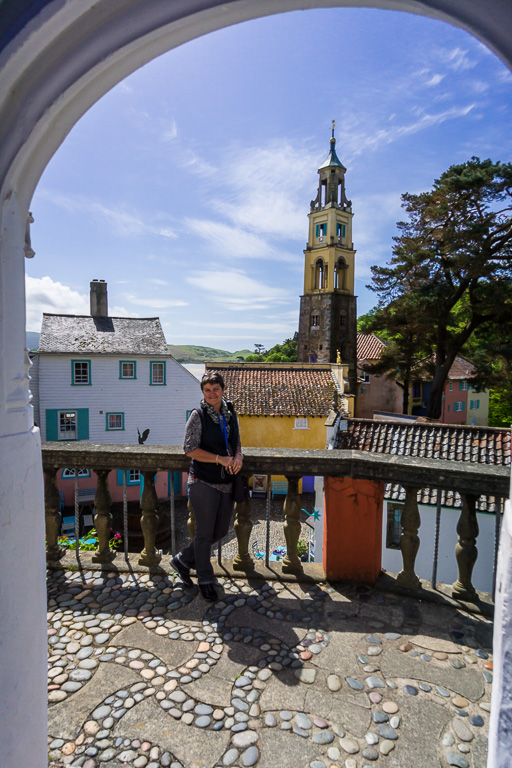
142	672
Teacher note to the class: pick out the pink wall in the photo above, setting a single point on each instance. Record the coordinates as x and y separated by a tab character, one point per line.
450	398
133	491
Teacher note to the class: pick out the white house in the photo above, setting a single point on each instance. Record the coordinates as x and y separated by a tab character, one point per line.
106	379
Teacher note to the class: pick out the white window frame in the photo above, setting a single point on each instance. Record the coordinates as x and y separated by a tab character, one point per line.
301	422
69	474
474	405
116	428
66	434
458	406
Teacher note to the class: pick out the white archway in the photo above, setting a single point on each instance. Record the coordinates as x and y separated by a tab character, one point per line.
57	58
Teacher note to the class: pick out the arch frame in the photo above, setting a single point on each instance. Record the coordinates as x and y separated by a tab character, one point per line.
57	58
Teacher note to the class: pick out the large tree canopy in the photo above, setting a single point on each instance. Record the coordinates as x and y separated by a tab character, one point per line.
451	270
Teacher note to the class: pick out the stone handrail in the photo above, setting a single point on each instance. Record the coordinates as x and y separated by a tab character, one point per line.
471	480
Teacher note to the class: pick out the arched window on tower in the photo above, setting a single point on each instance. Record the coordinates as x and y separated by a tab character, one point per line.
320	274
340	274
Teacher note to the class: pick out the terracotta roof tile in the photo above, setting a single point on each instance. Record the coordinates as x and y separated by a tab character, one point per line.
482	445
278	389
369	346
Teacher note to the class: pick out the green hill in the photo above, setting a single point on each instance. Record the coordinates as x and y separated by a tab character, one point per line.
188	353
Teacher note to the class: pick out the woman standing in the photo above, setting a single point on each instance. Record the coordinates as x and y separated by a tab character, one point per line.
212	441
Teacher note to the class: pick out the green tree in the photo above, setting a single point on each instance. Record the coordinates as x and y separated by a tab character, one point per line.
407	345
455	247
279	353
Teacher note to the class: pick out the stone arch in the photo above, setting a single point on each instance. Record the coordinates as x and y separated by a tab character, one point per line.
57	58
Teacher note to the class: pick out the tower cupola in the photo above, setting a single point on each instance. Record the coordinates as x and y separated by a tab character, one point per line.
331	183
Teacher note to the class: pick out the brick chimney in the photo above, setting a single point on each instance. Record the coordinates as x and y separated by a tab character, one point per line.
99	299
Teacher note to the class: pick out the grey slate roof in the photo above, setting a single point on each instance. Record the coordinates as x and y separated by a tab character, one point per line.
86	335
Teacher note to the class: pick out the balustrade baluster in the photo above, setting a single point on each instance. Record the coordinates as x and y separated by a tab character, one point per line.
291	561
52	515
466	552
103	519
243	527
409	540
150	555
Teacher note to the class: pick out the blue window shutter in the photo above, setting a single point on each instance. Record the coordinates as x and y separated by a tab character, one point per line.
463	406
82	415
120	476
52	424
317	231
177	481
344	230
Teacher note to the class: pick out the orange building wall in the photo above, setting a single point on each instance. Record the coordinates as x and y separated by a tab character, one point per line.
353	529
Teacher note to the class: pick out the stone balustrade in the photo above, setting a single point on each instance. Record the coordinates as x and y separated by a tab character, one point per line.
351	475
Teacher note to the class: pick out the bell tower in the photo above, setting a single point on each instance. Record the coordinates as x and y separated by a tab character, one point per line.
328	314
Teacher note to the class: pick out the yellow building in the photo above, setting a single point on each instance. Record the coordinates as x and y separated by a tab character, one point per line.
283	405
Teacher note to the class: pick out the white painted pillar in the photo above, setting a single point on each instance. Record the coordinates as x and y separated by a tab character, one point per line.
22	561
500	725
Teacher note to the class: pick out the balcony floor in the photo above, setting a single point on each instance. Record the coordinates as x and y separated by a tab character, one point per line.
146	674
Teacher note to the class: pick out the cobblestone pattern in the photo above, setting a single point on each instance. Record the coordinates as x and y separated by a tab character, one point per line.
310	652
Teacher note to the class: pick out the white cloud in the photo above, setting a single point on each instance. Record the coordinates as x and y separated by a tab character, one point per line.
458	60
435	80
171	132
123	221
238	292
157	281
234	242
155	303
46	295
359	142
266	188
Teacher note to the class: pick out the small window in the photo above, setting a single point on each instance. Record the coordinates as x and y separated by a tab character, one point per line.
416	390
460	405
394	526
127	369
450	386
69	474
343	319
321	231
67	425
365	376
463	385
315	321
341	230
301	423
115	421
81	372
474	405
132	476
157	373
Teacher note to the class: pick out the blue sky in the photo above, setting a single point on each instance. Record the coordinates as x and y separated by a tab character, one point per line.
187	186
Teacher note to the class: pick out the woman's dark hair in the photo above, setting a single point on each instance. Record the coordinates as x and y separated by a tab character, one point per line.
212	377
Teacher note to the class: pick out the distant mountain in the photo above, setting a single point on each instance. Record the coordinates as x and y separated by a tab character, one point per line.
188	353
32	339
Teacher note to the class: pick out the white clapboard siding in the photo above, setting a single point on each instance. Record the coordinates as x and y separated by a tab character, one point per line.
161	408
34	386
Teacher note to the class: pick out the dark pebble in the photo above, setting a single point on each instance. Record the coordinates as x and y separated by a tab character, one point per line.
411	690
477	720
